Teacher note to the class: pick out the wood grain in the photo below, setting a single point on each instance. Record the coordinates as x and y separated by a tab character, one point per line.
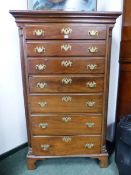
40	16
124	86
68	124
65	56
66	83
78	48
124	96
59	147
125	49
53	31
54	65
55	103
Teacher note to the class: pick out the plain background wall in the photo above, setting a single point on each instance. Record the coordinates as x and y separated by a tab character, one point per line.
113	5
12	116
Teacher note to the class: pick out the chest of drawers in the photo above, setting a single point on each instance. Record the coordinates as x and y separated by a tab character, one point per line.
65	59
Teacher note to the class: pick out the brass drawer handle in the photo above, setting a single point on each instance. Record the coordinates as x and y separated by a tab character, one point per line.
89	145
66	63
41	85
38	32
45	147
40	67
66	81
90	124
42	104
39	49
66	47
91	84
92	66
43	125
93	33
90	104
66	119
66	139
66	99
93	49
66	30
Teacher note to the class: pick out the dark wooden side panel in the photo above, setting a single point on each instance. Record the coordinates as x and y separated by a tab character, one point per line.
127	13
124	87
124	95
126	50
126	33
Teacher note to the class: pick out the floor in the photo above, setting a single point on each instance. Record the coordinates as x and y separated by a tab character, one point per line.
16	165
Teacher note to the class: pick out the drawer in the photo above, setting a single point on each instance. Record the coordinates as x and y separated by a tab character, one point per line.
66	103
65	65
64	48
66	83
67	124
65	31
65	145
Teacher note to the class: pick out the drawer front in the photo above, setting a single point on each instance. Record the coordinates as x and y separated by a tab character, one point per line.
66	103
66	83
65	31
65	65
66	125
65	145
70	48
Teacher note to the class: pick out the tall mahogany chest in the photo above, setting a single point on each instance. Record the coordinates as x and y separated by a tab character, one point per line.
65	60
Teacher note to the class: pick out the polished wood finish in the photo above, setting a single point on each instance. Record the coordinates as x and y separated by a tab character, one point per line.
78	65
66	80
66	145
77	48
126	49
31	163
124	93
69	124
66	103
103	161
54	31
66	83
124	87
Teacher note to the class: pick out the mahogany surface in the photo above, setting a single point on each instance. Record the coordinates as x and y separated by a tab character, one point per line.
53	31
124	87
66	83
65	80
78	65
61	147
77	124
78	48
56	103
